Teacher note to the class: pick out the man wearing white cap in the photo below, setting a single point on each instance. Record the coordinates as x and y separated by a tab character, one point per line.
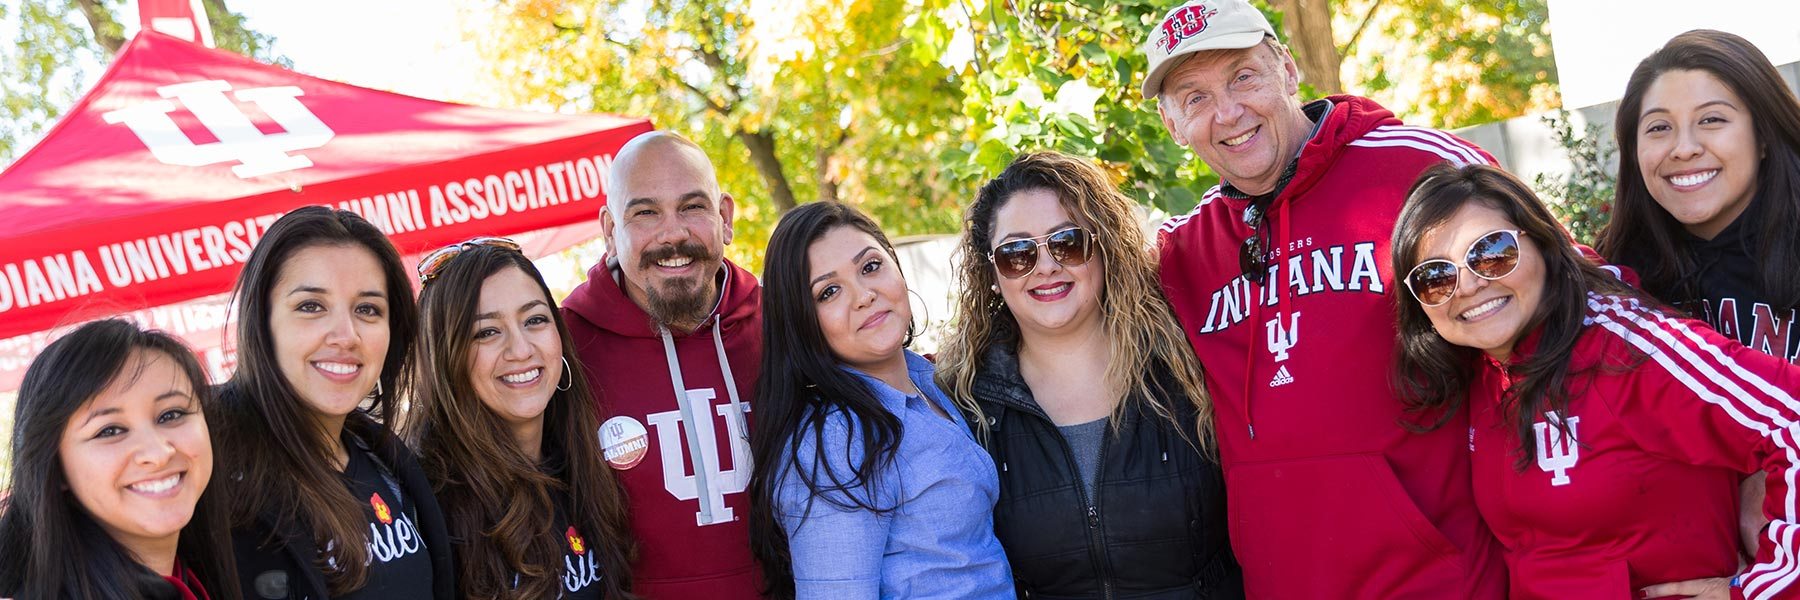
1280	277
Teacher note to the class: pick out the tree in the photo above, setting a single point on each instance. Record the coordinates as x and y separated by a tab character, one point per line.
1581	198
1065	75
1449	63
61	44
809	100
1313	40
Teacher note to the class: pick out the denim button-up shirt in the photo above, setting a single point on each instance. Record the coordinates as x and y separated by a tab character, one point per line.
937	541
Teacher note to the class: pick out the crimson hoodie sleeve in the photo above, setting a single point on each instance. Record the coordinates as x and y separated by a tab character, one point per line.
1702	398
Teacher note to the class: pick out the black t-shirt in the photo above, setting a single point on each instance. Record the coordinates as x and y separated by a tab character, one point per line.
1725	291
399	566
580	571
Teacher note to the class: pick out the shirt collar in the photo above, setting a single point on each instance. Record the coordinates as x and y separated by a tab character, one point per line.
1315	111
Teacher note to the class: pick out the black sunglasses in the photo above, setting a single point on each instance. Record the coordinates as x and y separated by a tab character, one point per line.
1490	257
1071	247
1251	261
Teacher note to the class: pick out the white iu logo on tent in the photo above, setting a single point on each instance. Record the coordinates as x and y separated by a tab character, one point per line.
256	152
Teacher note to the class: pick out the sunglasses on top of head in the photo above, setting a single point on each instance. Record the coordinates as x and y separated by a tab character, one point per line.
1069	247
434	262
1491	257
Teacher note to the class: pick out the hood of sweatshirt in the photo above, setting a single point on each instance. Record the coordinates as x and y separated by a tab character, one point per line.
1350	117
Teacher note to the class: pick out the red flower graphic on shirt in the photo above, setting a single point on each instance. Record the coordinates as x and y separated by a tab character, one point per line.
382	512
576	544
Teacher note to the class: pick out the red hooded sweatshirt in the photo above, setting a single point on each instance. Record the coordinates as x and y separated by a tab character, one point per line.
1328	495
689	510
1667	416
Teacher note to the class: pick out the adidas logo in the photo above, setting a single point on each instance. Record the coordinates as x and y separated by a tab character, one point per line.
1282	377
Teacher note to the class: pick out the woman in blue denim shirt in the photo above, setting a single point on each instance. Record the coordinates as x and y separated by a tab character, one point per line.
868	483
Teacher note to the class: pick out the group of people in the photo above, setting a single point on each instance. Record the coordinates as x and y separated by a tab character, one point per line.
1473	406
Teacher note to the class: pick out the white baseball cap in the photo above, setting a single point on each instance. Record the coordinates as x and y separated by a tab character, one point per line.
1200	25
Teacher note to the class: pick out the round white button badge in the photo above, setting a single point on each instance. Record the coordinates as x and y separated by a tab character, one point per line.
624	442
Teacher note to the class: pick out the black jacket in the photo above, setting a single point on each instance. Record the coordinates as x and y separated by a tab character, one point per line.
1157	527
266	569
1725	288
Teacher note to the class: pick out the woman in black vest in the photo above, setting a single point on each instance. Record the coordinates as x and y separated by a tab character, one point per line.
1077	377
327	502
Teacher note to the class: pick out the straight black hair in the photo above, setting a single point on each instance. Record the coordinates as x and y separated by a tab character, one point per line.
1645	237
275	444
49	546
801	387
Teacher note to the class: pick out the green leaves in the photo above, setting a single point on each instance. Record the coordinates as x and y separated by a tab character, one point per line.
1582	198
57	53
1063	76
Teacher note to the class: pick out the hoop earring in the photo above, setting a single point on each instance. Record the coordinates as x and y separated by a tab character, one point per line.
563	387
376	393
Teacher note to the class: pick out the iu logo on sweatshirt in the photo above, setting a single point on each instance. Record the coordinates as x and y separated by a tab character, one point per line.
713	481
1556	453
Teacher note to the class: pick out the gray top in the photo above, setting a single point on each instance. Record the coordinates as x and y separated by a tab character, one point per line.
1084	440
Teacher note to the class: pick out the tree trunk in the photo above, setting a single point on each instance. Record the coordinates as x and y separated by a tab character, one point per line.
1308	28
100	21
761	145
828	183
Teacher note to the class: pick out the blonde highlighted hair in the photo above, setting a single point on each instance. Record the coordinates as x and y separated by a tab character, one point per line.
1137	319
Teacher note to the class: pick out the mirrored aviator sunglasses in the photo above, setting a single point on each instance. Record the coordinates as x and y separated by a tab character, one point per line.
434	262
1071	247
1490	257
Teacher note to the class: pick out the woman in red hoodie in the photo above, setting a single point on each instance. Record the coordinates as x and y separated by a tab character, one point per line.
1608	432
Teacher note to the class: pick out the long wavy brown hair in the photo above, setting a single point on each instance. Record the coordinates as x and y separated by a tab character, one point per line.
1141	327
498	501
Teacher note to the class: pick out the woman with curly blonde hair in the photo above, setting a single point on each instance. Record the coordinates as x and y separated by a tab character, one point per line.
1082	388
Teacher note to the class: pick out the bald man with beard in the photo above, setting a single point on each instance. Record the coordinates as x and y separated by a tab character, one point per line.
670	335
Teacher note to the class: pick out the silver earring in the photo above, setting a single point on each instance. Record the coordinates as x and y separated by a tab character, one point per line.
377	392
563	387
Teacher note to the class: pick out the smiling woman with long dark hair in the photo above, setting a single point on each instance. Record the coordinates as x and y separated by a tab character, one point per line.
1709	187
504	424
1608	434
1709	194
868	482
112	474
326	500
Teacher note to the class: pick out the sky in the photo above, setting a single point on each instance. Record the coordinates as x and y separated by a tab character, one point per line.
414	47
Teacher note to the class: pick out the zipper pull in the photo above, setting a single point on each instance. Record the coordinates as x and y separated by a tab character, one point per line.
1252	431
1093	518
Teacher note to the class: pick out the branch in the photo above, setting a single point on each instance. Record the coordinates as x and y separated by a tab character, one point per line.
100	21
711	104
716	62
1368	17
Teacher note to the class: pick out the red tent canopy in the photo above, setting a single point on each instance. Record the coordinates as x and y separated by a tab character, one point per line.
153	189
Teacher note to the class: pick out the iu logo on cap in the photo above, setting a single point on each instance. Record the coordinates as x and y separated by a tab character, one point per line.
1183	24
239	140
